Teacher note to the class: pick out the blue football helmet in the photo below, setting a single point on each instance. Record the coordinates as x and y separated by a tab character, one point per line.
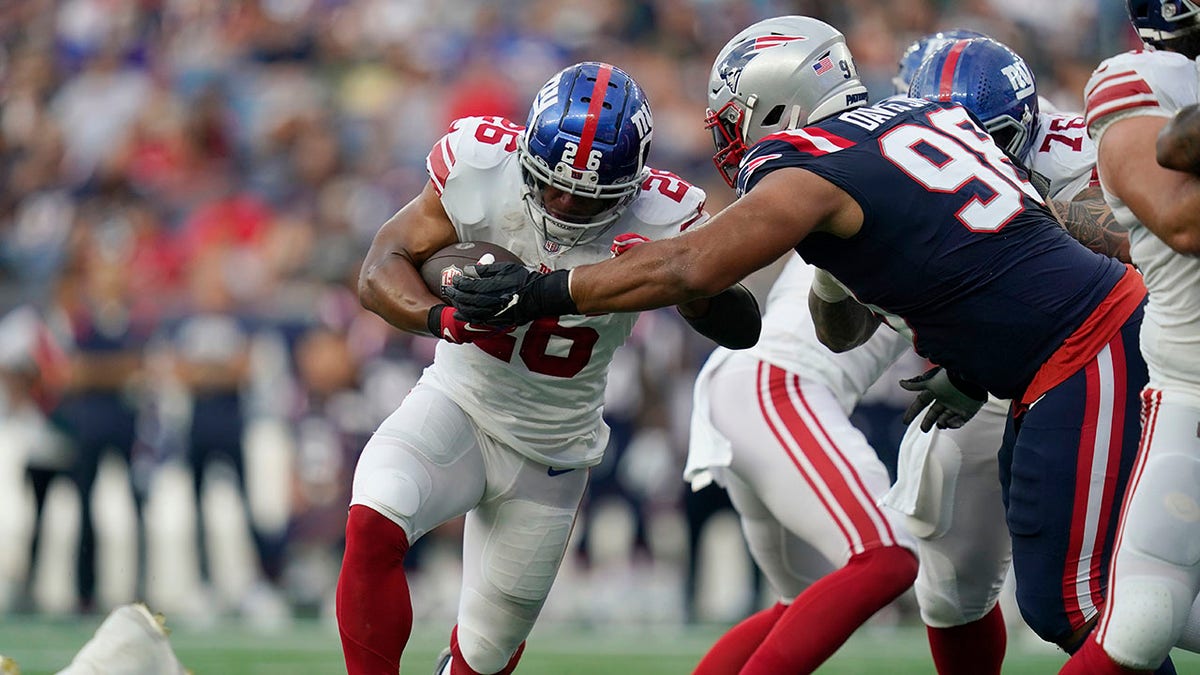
915	53
989	80
587	135
1158	21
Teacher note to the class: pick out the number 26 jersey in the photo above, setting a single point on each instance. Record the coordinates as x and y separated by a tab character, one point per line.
540	388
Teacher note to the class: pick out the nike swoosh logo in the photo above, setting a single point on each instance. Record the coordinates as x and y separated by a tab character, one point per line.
475	329
557	472
512	302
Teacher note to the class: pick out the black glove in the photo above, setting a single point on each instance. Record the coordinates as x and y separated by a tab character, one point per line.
954	400
509	294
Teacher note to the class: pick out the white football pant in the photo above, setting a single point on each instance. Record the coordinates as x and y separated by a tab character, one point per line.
948	490
428	463
1155	574
803	479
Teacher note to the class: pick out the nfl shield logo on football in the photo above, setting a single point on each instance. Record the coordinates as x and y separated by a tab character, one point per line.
449	274
551	247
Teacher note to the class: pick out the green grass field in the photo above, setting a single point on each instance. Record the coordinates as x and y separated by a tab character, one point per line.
42	646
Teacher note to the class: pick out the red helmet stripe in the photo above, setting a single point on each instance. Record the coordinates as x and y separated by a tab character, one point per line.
593	116
948	68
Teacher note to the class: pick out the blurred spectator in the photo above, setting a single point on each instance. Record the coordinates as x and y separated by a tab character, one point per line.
209	346
32	372
99	407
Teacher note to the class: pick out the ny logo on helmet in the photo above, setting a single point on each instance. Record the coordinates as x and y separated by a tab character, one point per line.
546	97
1021	79
730	69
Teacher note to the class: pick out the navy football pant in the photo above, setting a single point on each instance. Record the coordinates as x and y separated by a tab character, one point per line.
1064	466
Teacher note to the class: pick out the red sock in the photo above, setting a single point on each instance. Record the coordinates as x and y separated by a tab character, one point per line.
731	652
829	611
374	612
975	648
458	664
1091	660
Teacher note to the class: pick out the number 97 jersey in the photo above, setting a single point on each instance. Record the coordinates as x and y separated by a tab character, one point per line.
540	388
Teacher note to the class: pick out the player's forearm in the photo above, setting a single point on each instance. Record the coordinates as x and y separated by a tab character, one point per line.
1178	145
393	289
843	325
654	275
1088	219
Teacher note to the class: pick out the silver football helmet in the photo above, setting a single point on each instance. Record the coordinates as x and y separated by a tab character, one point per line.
780	73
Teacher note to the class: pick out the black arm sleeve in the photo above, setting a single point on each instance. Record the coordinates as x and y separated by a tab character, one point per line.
732	319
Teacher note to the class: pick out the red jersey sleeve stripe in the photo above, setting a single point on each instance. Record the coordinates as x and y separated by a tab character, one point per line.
1123	91
835	140
1108	79
691	221
438	164
815	142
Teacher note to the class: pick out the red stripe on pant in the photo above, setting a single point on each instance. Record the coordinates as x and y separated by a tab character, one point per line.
862	531
1151	401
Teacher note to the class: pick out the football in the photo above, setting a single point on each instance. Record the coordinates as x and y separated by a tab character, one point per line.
441	267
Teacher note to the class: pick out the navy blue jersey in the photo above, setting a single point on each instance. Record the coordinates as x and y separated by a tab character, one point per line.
954	239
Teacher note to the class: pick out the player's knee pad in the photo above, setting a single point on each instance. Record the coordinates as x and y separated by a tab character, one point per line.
482	654
1146	618
1158	562
950	593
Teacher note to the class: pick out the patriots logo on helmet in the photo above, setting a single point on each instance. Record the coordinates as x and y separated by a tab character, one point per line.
730	70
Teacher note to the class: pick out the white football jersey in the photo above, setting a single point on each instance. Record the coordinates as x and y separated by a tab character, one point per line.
539	389
789	340
1155	83
1063	153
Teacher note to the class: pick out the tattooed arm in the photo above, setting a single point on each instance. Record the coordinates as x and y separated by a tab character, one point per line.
1178	144
1089	220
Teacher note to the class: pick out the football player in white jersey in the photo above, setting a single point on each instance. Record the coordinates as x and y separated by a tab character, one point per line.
771	425
1156	570
504	425
946	484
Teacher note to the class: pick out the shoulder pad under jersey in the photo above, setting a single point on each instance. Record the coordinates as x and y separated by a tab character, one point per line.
668	201
1145	82
474	142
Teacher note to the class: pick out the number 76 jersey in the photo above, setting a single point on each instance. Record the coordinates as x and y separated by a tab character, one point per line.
539	389
954	241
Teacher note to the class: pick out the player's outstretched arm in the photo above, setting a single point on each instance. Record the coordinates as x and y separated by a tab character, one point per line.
1178	145
389	282
1167	202
781	210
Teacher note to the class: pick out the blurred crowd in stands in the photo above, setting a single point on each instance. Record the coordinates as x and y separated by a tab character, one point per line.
187	188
